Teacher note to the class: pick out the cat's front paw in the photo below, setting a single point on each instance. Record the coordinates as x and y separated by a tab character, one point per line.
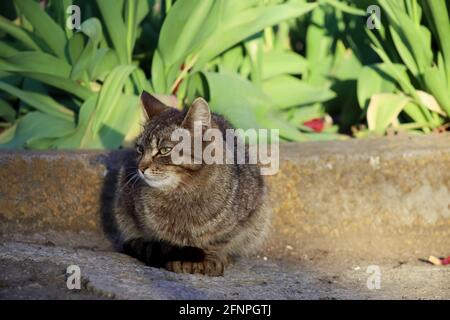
212	268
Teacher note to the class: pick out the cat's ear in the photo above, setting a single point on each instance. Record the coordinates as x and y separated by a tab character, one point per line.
151	105
199	111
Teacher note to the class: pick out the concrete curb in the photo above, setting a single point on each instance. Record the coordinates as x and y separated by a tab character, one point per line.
387	195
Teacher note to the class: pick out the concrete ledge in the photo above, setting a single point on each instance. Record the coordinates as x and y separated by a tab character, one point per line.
386	195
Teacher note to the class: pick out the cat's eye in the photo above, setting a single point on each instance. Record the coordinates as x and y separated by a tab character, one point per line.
165	150
140	149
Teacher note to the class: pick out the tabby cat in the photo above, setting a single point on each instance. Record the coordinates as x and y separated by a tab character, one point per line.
187	218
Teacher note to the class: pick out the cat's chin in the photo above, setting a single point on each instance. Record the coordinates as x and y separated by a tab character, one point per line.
168	182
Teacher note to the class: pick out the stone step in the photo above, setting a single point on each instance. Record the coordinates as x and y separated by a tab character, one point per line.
387	196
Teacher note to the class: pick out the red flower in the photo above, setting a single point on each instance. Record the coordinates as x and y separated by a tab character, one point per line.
316	124
445	261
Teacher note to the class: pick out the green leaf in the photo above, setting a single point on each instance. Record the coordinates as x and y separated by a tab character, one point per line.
231	60
45	68
254	52
27	38
435	84
61	83
346	8
415	113
373	79
143	10
39	101
283	62
8	49
287	130
115	26
75	47
131	22
383	109
437	16
404	52
141	81
7	135
39	62
302	114
83	136
243	108
287	91
158	73
346	65
37	125
399	73
109	95
318	44
111	134
93	29
240	25
119	124
7	112
247	107
102	63
58	10
412	41
430	102
44	26
187	26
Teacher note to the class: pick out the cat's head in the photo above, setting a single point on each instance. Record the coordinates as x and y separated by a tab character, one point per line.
154	145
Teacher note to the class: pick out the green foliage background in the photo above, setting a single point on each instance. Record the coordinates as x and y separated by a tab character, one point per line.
261	63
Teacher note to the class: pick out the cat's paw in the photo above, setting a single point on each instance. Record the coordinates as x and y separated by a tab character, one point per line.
212	268
151	253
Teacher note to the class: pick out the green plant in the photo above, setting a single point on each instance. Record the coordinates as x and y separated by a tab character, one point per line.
408	90
311	69
237	54
75	89
197	41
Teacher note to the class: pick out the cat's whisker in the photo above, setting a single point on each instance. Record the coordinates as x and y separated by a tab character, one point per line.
135	180
133	168
130	174
133	177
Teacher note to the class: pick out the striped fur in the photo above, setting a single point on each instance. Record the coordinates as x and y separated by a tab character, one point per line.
217	208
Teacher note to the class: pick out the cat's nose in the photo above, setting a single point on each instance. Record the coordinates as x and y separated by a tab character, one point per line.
142	168
144	165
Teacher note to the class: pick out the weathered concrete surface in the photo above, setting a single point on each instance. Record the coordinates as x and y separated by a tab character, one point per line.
338	207
389	194
38	272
